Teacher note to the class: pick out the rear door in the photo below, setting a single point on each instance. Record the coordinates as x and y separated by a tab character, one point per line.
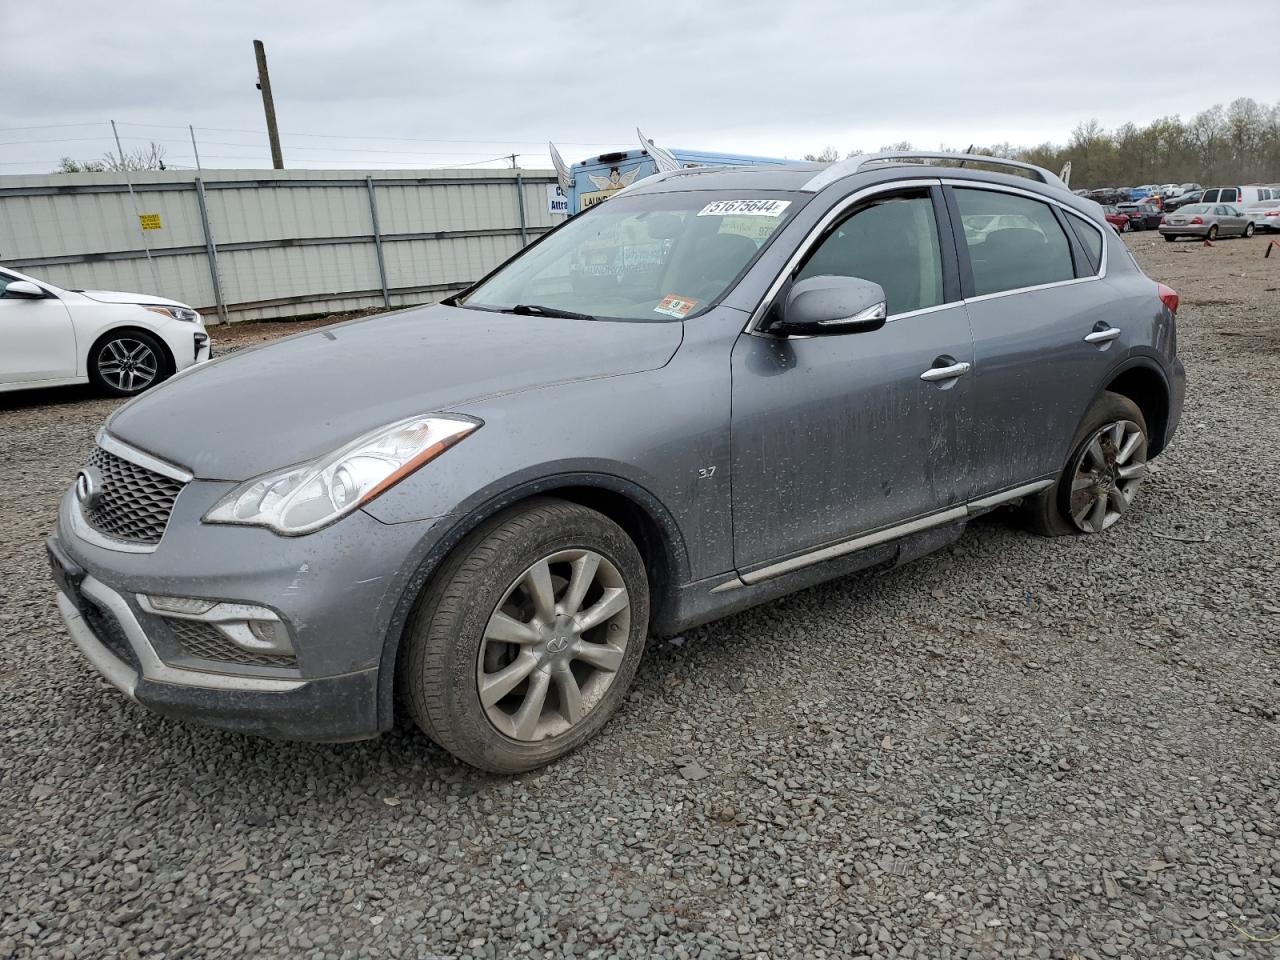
839	435
1042	335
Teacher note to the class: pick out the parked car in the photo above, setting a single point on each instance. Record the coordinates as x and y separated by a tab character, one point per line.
122	343
1191	188
1265	215
1208	220
1168	190
1142	216
710	390
1241	196
1117	219
1183	200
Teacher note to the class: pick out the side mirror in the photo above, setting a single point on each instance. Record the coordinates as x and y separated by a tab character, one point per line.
824	305
23	289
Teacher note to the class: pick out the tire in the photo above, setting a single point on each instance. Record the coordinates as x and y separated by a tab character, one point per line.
1050	513
1127	228
1213	232
1248	231
1169	238
126	362
479	618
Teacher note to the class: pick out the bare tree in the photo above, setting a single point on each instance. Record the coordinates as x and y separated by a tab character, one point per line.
829	155
150	157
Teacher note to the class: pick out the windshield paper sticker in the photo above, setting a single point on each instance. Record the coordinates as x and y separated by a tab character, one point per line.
674	306
745	208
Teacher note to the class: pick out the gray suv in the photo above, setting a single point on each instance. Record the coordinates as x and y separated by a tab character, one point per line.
718	387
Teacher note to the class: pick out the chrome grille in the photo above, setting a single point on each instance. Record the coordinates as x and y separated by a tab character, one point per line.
135	502
206	642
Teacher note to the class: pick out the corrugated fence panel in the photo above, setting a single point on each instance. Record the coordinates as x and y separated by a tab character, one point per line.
288	242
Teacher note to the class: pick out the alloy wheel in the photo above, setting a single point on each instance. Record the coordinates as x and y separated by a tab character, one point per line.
553	645
128	365
1107	475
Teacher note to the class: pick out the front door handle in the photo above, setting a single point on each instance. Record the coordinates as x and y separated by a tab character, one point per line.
947	372
1102	336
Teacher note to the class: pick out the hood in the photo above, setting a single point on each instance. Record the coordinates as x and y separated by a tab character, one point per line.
298	398
115	296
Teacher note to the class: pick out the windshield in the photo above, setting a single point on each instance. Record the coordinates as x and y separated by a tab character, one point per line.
646	257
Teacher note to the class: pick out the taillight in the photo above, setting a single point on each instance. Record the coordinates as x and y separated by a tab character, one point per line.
1196	220
1168	296
1272	213
1162	218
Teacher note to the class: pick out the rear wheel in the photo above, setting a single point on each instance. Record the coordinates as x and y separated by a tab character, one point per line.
1248	231
1169	238
1107	466
126	363
1127	227
527	639
1213	232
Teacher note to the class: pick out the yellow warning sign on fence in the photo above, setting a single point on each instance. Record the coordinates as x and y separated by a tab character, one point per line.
150	221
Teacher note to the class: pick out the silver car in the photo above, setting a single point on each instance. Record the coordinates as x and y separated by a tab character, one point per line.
1207	220
1265	215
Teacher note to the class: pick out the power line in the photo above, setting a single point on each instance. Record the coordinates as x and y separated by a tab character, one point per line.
353	136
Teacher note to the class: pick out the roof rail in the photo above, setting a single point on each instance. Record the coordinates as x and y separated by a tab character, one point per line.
845	168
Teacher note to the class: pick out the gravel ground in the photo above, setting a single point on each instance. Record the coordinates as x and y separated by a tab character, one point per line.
1014	748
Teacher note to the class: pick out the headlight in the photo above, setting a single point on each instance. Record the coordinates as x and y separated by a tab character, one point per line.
304	498
173	313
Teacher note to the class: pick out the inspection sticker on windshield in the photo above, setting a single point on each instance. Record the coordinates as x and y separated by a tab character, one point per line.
745	208
674	306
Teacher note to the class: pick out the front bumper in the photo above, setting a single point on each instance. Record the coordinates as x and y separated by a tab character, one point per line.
113	641
336	589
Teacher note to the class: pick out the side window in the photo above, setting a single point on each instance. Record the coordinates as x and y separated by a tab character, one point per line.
5	280
1090	238
1209	196
1013	241
1230	196
892	242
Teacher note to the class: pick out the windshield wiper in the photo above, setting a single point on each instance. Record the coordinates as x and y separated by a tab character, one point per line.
534	310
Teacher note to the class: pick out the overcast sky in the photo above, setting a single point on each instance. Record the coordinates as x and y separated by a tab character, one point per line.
464	82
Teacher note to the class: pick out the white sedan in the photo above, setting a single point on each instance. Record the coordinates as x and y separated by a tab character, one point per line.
122	343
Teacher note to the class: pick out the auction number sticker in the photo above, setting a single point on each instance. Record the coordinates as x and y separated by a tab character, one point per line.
745	208
674	306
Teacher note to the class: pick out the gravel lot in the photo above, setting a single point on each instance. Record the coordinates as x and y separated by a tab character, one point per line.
1015	748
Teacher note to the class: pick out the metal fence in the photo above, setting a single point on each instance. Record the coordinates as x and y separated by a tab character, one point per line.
254	244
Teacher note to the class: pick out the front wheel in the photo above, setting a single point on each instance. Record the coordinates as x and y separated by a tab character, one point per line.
1107	466
1127	227
528	637
126	363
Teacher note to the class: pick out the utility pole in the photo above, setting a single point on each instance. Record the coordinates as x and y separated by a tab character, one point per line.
268	105
513	161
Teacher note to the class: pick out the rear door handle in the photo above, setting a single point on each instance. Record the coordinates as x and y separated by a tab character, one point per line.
949	372
1102	336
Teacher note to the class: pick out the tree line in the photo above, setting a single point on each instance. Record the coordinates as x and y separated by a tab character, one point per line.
1239	143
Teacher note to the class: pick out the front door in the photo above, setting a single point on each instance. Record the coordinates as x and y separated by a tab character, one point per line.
36	338
838	435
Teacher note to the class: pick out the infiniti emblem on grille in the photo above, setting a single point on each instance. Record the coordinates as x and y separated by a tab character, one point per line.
89	487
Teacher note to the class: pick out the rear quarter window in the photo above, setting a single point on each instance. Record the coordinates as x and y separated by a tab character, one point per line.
1090	238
